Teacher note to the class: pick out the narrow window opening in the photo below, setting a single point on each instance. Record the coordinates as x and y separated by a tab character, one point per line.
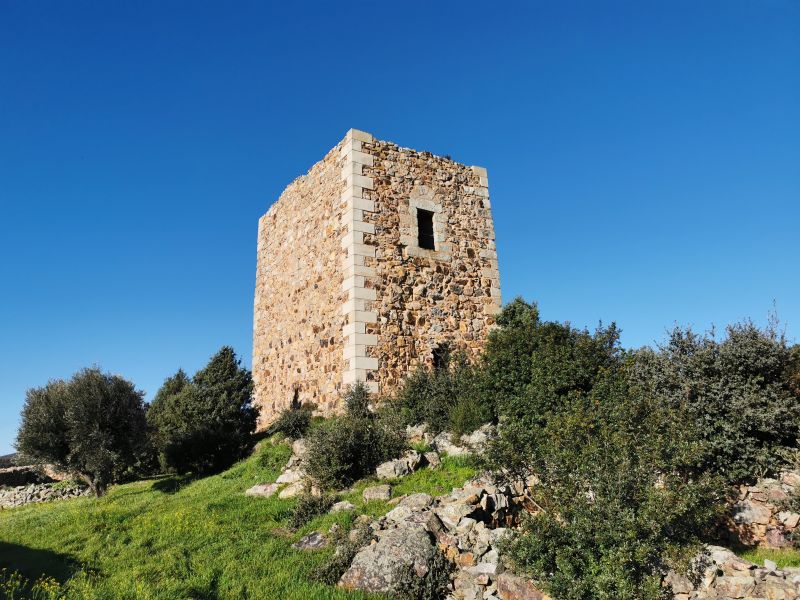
440	355
296	399
425	228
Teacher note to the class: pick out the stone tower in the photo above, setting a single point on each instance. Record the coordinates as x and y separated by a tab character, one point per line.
368	267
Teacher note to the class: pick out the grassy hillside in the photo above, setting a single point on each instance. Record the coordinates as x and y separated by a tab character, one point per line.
177	539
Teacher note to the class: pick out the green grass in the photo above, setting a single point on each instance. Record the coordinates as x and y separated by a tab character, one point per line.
173	538
785	557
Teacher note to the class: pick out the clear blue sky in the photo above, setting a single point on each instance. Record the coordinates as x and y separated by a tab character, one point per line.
644	160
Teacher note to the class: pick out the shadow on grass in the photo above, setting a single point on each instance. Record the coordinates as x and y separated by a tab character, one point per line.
33	563
172	483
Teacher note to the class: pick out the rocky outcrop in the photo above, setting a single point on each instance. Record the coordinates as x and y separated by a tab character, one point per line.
397	554
465	525
761	516
410	462
11	497
474	443
723	575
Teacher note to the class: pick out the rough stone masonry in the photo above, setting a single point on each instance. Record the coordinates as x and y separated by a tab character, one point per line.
369	266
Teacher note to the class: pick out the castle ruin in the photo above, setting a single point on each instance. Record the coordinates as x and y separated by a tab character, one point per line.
368	267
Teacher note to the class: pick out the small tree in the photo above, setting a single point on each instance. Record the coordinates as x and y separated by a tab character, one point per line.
92	425
205	424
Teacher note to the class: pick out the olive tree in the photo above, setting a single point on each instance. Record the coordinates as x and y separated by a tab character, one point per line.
92	425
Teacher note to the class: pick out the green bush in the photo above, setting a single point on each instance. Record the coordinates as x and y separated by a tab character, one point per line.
739	392
347	448
293	422
446	398
309	506
93	425
621	501
558	365
205	424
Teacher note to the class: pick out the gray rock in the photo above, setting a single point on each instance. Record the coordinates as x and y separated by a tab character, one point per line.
292	490
400	467
342	506
264	490
444	443
299	448
290	476
399	513
451	514
312	541
433	459
398	554
748	513
418	501
378	492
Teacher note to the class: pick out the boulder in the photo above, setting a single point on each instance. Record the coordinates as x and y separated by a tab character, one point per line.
397	555
748	513
433	459
400	467
513	587
292	490
788	519
342	506
378	492
290	476
264	490
418	434
444	443
313	541
299	448
417	501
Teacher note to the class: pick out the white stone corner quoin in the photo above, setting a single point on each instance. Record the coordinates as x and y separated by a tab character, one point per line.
356	273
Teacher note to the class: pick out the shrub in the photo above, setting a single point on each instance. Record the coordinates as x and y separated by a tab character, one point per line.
294	421
347	448
93	425
559	365
738	392
205	424
621	502
309	506
793	370
446	398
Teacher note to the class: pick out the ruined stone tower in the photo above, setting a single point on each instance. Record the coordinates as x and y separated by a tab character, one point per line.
368	266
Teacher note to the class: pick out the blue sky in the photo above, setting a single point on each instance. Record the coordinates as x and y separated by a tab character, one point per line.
644	160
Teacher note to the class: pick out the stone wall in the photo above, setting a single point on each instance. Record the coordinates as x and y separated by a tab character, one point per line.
426	299
761	516
297	321
344	292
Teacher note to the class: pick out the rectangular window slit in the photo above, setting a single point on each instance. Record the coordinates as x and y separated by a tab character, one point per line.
425	228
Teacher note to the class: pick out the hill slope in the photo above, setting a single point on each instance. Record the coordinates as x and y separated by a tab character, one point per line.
170	538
